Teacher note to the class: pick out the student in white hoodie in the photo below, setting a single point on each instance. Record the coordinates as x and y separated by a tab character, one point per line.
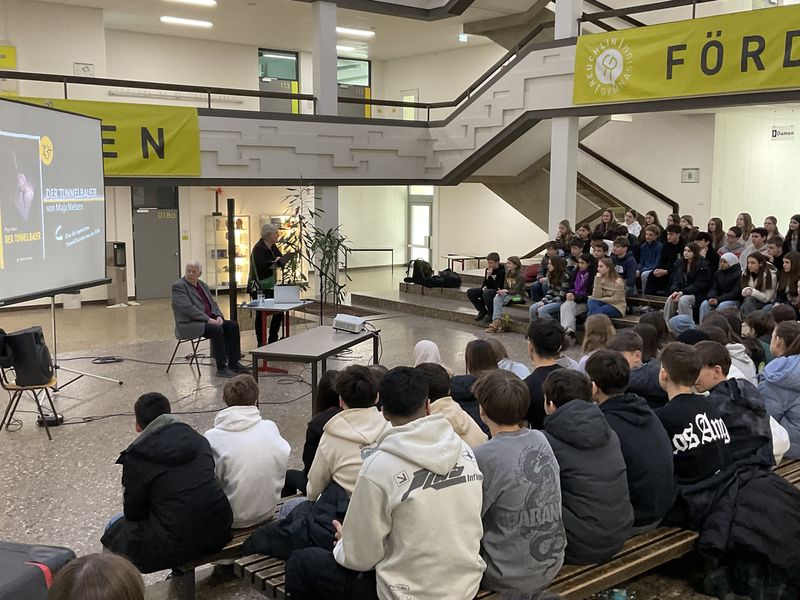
351	435
250	455
414	517
442	404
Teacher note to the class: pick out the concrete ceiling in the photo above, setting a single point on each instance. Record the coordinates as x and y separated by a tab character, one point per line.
286	24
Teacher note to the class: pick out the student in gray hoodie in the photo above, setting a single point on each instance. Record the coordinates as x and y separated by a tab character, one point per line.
523	533
597	509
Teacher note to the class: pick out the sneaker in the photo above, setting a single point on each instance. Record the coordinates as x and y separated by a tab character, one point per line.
225	372
238	367
481	316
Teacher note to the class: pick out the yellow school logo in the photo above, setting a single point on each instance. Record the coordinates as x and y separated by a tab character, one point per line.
609	67
46	150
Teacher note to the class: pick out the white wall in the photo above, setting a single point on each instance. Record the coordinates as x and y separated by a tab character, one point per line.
473	219
374	217
752	173
655	147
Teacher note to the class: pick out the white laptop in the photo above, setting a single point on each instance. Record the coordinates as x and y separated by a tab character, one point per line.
287	294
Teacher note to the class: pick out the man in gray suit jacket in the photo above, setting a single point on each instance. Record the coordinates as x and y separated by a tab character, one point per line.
197	315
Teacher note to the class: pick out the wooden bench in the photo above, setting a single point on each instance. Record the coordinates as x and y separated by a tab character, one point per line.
638	556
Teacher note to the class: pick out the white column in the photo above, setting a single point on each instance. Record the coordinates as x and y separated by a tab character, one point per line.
324	55
564	136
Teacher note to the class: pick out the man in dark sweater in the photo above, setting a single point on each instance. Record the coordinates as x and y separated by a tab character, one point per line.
645	446
596	507
493	279
658	282
625	264
175	510
700	437
545	340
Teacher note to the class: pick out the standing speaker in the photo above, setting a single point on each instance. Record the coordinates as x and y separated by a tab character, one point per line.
32	362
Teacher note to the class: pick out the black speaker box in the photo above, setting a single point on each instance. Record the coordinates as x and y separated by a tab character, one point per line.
32	362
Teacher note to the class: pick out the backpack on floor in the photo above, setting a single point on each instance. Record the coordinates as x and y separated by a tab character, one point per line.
420	271
450	279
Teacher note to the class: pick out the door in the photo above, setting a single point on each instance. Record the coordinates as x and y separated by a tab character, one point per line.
155	240
419	230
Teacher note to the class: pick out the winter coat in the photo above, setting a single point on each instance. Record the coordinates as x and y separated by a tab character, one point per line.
644	382
726	285
582	285
649	255
415	515
650	483
461	392
767	294
347	440
780	387
597	509
626	268
250	459
692	283
463	424
742	408
175	509
670	253
612	293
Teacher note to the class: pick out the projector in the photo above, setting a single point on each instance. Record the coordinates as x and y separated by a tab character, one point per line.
348	323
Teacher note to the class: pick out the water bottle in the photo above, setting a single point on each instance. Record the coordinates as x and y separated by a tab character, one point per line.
260	297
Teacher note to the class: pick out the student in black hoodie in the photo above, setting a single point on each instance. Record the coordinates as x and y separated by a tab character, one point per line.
643	379
672	250
174	509
645	446
597	510
494	278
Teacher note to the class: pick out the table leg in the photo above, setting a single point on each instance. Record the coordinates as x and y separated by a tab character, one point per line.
375	356
265	368
314	408
287	324
255	369
324	365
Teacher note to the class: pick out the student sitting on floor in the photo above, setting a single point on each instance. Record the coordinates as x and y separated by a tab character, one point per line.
174	508
494	277
442	404
597	333
608	292
545	341
645	446
478	357
504	362
103	576
558	284
250	456
414	528
597	510
756	438
520	481
512	291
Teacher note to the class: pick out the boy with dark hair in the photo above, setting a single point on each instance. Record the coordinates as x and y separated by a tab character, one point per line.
625	264
520	487
250	456
645	446
545	341
753	432
174	509
700	437
350	436
576	245
757	243
672	249
494	278
597	510
643	378
409	504
441	403
649	253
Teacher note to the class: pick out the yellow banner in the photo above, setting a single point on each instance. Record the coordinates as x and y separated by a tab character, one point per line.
748	51
142	140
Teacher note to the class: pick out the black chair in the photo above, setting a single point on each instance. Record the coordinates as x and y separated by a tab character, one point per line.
193	357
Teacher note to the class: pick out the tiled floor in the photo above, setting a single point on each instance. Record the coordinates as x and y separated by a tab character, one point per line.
62	492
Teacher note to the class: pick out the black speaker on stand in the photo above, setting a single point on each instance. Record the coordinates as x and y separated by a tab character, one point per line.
32	362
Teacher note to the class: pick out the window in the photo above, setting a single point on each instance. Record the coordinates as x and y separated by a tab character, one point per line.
350	71
277	64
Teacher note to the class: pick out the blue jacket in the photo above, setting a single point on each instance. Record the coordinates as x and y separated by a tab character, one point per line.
626	267
649	255
779	384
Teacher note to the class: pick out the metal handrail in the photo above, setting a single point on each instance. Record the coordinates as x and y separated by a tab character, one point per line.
640	8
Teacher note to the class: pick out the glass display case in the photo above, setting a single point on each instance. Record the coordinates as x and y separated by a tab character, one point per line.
216	257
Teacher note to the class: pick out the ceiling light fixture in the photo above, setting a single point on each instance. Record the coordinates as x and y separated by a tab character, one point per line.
463	37
187	22
208	3
355	32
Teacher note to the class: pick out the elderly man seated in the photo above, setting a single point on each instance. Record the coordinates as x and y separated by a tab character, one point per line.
197	315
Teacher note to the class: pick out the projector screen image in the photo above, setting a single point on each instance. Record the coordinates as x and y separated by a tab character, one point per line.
52	207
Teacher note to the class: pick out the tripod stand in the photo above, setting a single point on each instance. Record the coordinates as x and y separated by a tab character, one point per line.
57	367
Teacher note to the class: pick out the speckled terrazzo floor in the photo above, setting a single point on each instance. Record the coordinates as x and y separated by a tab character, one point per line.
62	492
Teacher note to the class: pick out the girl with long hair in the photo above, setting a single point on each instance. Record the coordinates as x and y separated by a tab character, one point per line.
632	223
565	235
606	225
513	292
745	222
575	301
608	294
780	382
759	284
717	231
771	225
598	330
558	284
789	279
690	284
478	357
650	218
687	227
791	242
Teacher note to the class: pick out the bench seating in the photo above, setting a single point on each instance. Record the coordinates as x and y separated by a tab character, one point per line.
639	555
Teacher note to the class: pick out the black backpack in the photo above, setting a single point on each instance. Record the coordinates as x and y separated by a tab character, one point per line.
421	270
450	279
